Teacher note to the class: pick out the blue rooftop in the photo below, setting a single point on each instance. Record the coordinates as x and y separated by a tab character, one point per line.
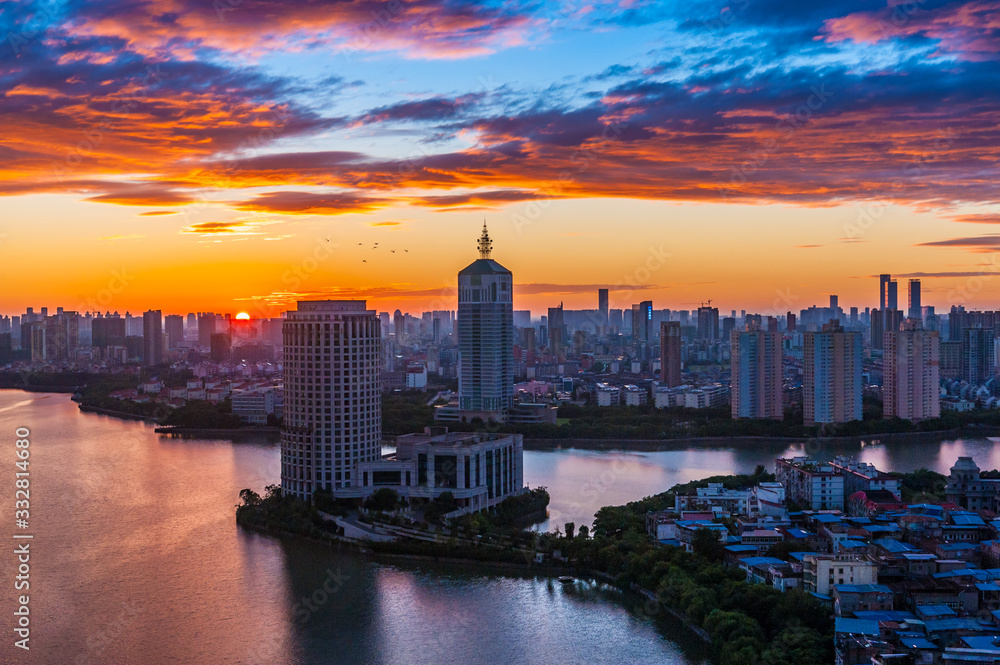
862	588
856	626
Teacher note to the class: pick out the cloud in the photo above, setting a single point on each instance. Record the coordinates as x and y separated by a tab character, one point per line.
157	213
309	203
240	227
993	218
391	225
981	244
415	28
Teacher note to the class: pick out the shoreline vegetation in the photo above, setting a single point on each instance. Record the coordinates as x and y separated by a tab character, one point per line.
741	623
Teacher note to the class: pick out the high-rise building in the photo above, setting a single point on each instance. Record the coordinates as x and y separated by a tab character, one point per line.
708	323
790	322
756	374
978	356
221	347
892	300
152	338
642	322
486	335
206	328
557	333
914	311
399	326
333	398
883	293
173	327
602	308
831	385
910	373
670	353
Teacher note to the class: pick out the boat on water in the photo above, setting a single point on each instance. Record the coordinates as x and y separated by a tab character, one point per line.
565	579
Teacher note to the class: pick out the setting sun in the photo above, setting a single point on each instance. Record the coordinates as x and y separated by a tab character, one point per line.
243	316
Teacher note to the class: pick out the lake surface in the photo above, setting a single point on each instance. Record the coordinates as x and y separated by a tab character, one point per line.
137	557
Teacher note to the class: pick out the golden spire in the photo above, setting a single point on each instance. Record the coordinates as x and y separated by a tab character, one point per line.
485	244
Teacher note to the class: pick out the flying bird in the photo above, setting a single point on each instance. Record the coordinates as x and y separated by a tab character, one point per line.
364	260
393	251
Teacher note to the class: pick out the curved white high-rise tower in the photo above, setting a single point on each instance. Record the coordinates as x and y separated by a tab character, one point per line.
333	399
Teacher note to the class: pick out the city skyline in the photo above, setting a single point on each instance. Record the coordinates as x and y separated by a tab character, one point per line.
299	140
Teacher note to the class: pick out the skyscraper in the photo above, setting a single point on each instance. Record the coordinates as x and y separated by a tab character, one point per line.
206	328
892	300
557	333
486	335
670	353
910	373
333	398
602	308
399	326
883	295
756	374
914	311
173	326
152	338
642	322
708	323
831	385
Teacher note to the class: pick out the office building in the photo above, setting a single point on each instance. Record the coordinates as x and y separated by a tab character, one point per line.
910	373
914	311
831	385
557	333
152	338
602	308
892	300
670	353
756	374
486	336
332	395
883	290
642	322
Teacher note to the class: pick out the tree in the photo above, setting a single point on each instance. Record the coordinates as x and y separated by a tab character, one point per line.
706	543
382	500
570	528
584	532
249	497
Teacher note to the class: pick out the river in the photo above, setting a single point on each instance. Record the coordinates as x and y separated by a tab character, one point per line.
136	557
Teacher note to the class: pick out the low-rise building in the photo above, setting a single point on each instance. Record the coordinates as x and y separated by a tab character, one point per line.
254	406
820	572
812	485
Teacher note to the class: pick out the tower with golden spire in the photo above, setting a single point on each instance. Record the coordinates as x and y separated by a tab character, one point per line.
485	327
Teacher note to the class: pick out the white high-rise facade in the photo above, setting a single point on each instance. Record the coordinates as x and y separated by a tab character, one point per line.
333	401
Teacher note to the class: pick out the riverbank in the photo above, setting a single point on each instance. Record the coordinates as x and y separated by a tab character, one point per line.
123	415
650	445
272	434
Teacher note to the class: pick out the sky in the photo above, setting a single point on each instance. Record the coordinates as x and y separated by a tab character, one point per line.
237	155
